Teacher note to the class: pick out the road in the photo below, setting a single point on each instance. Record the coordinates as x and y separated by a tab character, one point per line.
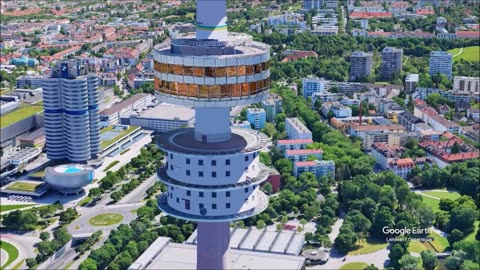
460	52
138	193
236	110
24	243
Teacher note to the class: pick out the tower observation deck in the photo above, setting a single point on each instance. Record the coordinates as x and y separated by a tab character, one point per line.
212	171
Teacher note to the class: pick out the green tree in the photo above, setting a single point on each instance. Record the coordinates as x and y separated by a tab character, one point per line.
260	224
396	253
32	263
455	260
267	188
409	262
44	236
462	217
429	259
88	264
68	215
265	158
454	236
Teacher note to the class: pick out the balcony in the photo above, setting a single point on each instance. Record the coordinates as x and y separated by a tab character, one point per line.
162	174
262	204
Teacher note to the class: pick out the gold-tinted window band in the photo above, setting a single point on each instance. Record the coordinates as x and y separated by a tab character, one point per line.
212	71
211	91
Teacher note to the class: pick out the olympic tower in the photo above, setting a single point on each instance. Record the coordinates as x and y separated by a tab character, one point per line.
212	171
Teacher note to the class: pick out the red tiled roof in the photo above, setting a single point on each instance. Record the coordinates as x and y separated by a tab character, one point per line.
295	55
297	141
305	163
304	152
460	156
369	15
468	34
403	162
425	11
378	127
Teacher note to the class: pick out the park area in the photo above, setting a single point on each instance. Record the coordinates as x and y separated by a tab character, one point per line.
10	207
105	219
368	246
8	254
20	114
471	54
24	186
439	244
432	197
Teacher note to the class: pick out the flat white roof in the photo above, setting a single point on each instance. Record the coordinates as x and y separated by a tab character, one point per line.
166	112
181	256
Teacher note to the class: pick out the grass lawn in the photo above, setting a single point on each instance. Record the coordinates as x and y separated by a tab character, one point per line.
85	201
120	135
124	151
18	265
19	114
4	208
469	54
105	219
416	246
471	236
433	203
12	252
353	266
443	194
109	166
368	246
439	243
38	174
24	186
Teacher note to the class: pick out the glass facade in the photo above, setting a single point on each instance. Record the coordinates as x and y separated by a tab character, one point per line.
213	72
211	91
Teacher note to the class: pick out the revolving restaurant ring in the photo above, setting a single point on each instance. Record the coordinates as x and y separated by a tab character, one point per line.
215	73
241	140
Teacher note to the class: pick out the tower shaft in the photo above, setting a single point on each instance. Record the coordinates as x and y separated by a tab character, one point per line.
213	241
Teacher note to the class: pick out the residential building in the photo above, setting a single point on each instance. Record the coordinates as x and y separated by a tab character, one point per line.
29	81
360	131
473	113
296	129
257	117
312	85
391	62
440	151
392	139
384	154
72	121
326	97
272	106
162	118
360	65
403	166
411	82
303	154
441	62
469	85
293	144
431	117
312	4
338	110
318	167
408	120
132	105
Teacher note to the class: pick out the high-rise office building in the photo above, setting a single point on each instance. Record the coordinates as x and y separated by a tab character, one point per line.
441	62
360	65
212	171
72	121
312	4
391	62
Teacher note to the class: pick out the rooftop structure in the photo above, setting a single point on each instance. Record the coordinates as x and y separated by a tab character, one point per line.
69	178
165	255
162	118
212	171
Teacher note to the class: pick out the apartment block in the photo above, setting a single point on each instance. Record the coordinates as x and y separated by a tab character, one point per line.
441	62
391	62
296	129
360	65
